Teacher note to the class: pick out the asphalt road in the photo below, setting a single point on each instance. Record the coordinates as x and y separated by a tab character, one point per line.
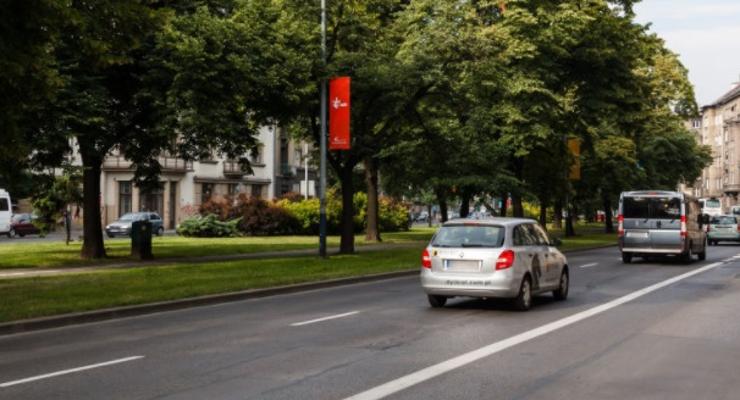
648	330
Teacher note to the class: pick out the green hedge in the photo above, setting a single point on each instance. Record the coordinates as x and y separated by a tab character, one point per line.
250	216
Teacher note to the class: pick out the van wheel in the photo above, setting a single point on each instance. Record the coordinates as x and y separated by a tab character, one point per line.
11	233
523	300
688	255
703	254
626	258
436	301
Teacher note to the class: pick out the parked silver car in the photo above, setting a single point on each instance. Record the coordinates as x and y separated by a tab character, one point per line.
498	257
122	227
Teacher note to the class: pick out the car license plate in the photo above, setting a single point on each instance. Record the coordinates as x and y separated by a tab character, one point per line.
637	235
462	265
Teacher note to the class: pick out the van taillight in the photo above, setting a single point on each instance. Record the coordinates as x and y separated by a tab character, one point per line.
684	232
505	260
426	260
620	225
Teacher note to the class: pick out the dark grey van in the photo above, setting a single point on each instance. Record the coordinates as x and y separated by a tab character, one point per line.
660	223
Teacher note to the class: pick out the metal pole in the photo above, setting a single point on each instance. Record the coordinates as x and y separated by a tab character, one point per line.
305	169
322	178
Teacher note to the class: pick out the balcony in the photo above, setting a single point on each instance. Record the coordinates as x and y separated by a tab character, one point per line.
168	164
233	168
733	188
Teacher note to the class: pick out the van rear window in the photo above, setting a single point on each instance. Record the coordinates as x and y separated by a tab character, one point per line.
651	207
4	206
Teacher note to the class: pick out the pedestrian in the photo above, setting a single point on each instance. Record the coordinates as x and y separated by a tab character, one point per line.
68	224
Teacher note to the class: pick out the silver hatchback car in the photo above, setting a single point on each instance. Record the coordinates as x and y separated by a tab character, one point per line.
498	257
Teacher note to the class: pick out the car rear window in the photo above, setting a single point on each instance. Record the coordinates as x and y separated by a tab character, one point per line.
723	220
651	207
469	236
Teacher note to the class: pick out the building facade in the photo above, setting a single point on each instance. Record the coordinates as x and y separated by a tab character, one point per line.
278	167
719	128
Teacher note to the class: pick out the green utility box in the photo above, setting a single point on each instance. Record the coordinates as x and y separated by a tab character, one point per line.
141	240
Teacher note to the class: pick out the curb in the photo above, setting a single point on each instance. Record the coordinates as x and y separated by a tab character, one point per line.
129	311
34	324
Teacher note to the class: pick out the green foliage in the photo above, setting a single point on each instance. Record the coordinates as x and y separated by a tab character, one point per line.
208	226
51	200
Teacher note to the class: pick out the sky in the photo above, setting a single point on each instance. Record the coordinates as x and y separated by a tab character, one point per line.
705	34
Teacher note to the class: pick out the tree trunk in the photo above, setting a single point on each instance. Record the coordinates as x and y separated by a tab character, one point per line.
442	200
464	204
516	204
504	204
543	215
373	217
429	214
347	224
92	230
558	217
608	223
569	229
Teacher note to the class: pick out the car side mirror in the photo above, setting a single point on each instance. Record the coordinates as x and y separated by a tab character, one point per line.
556	242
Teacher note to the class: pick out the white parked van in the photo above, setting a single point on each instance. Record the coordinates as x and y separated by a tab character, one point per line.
6	212
711	206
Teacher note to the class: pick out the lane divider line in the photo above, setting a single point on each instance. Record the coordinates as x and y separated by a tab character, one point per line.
425	374
589	265
313	321
69	371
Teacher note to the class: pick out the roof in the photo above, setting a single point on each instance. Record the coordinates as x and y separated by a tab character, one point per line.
727	97
488	221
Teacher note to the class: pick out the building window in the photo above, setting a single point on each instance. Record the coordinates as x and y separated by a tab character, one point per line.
257	191
206	192
124	197
257	155
152	200
233	189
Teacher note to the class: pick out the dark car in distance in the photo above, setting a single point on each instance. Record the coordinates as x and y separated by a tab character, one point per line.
23	224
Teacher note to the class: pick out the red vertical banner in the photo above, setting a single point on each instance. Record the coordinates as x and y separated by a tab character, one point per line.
339	116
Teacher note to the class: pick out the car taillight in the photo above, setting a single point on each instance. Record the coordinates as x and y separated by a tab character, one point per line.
620	225
426	260
683	227
505	260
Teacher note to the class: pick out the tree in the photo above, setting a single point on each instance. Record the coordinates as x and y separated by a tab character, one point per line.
144	81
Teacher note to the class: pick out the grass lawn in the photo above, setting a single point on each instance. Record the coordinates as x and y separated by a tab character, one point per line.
55	255
36	297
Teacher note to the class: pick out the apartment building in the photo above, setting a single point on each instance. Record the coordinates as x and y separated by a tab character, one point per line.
278	167
719	128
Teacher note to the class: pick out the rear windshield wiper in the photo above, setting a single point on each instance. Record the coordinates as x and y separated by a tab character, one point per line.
472	245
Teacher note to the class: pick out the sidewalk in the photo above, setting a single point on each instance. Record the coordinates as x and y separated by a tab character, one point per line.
163	262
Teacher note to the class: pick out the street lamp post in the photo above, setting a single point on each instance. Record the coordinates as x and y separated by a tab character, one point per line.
322	167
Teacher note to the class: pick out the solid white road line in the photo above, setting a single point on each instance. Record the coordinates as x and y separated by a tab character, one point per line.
589	265
69	371
422	375
313	321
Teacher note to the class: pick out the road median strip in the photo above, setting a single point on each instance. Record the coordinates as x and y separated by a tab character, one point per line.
46	302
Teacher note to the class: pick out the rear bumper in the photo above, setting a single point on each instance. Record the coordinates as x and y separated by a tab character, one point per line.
639	250
723	236
498	284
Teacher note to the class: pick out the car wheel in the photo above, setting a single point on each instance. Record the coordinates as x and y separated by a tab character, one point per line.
21	234
111	236
561	293
688	255
436	301
626	258
523	300
160	231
